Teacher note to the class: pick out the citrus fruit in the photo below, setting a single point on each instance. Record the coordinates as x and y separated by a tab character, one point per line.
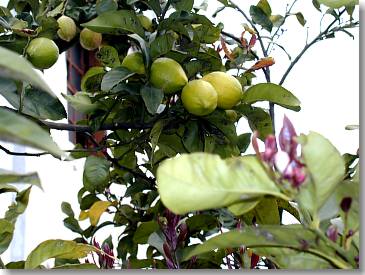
90	40
134	63
228	88
42	52
167	75
145	22
199	97
66	28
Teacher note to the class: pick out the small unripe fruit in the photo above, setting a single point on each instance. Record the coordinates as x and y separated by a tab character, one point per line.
145	22
167	75
90	40
199	97
42	52
134	63
67	28
231	115
229	89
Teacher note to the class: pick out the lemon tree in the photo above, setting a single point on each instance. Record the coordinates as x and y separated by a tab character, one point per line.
169	87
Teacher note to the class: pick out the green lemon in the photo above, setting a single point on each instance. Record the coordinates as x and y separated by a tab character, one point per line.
167	75
145	22
66	28
90	40
134	63
199	97
42	52
229	89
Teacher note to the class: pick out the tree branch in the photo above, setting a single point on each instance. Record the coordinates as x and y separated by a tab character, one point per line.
318	38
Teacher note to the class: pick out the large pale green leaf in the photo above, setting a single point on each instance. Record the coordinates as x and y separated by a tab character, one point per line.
56	248
116	22
325	168
13	177
15	128
13	66
288	236
203	181
36	102
6	234
335	4
273	93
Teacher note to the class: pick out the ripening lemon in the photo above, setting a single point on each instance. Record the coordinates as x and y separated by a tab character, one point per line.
199	97
90	40
134	63
228	88
167	75
42	52
66	28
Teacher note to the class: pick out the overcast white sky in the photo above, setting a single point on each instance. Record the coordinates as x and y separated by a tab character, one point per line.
326	81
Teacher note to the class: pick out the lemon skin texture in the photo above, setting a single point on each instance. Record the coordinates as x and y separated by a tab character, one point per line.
42	53
229	89
90	40
66	28
167	75
134	63
199	97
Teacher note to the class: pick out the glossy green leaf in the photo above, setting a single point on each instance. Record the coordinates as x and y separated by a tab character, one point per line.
19	206
91	80
205	181
273	93
114	77
116	22
6	234
13	66
67	209
192	137
144	230
300	18
336	4
264	5
258	119
200	222
152	98
243	142
81	102
36	103
56	248
15	128
241	208
267	212
162	45
105	6
260	18
288	236
325	167
183	5
96	173
13	177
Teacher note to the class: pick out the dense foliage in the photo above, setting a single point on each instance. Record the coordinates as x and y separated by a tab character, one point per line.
168	92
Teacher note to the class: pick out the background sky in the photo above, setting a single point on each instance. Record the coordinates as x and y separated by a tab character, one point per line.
326	80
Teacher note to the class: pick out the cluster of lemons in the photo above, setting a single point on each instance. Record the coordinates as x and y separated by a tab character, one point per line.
200	96
43	52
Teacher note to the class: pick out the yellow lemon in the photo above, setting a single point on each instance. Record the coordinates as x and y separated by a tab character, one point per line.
228	88
199	97
168	75
66	28
134	63
90	40
42	52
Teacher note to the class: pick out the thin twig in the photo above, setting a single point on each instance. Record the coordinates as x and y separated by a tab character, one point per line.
318	38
